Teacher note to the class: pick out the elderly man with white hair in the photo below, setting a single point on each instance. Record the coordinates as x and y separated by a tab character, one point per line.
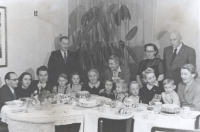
176	55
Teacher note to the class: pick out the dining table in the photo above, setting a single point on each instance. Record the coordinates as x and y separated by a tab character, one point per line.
45	120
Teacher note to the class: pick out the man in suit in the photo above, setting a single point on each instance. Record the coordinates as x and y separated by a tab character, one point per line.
116	71
63	60
176	55
42	83
7	92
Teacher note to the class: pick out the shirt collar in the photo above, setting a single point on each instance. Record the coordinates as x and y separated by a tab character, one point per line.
62	52
12	90
96	85
118	70
178	48
41	85
149	87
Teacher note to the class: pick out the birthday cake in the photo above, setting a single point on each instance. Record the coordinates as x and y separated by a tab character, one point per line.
169	108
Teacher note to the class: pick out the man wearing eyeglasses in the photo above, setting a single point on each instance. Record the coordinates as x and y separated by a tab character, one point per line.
7	92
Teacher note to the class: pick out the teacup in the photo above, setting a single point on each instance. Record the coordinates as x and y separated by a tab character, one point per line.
185	110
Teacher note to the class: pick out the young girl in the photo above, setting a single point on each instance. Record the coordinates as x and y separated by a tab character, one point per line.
62	85
75	84
121	89
134	92
150	90
108	90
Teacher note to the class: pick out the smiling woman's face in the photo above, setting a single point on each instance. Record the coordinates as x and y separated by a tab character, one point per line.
187	76
93	77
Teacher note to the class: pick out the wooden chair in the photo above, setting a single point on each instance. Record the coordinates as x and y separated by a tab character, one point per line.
162	129
197	122
113	125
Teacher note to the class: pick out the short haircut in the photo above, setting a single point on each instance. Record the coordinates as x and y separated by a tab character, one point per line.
147	71
63	37
190	68
95	71
123	84
153	45
22	76
133	82
41	68
7	76
63	76
168	81
115	58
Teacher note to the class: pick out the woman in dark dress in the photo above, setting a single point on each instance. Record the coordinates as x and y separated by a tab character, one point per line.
23	89
94	85
155	63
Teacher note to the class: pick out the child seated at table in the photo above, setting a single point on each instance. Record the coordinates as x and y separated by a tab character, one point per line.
75	84
62	85
134	92
108	90
121	89
148	91
170	96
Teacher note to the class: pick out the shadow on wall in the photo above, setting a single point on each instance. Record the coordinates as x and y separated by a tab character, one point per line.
162	39
32	72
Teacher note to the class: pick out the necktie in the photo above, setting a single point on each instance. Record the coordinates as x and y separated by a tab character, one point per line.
65	57
173	56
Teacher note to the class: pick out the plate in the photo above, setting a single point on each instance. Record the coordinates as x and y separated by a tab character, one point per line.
87	106
167	113
189	116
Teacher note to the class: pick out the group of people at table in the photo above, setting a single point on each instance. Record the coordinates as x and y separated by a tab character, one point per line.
171	80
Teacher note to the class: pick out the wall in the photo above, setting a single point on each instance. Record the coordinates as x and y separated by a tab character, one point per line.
181	15
31	39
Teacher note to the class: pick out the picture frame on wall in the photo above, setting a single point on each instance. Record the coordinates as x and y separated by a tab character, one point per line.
3	37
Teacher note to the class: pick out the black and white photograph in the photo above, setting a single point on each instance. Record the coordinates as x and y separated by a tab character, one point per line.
3	39
99	65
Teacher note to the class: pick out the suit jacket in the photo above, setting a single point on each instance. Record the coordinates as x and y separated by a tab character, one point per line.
191	97
124	74
6	95
186	55
57	65
34	87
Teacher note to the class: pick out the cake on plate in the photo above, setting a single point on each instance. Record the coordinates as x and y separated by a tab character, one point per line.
169	108
87	102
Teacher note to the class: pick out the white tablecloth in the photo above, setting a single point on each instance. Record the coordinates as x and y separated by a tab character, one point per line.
169	121
88	117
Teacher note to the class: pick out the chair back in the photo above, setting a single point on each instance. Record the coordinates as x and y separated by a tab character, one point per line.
197	122
114	125
158	129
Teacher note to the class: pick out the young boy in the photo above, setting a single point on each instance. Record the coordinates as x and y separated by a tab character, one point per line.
148	91
170	96
134	92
